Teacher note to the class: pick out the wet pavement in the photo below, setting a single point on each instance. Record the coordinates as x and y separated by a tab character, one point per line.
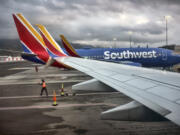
24	112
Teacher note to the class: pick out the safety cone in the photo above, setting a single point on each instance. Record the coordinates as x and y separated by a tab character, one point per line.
62	90
54	99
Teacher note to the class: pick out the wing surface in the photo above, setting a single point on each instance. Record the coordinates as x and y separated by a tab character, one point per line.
156	89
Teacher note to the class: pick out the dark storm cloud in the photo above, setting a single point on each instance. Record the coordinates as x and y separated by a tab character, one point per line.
121	33
100	20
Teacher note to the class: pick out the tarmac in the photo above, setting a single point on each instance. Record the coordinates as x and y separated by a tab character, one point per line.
24	112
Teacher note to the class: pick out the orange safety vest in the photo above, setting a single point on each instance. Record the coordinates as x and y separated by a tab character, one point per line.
43	84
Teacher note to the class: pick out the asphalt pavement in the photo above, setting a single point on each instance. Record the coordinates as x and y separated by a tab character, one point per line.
24	112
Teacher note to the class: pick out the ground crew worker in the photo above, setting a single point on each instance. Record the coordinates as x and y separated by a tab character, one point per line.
44	88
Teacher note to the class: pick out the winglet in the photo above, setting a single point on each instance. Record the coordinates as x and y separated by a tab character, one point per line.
53	48
71	51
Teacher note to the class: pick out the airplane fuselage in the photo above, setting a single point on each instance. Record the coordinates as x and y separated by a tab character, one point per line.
147	57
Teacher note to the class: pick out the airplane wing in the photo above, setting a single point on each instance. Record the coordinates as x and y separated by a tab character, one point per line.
155	89
123	62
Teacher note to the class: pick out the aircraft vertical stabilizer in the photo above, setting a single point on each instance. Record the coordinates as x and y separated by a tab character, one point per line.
71	51
31	41
53	48
50	43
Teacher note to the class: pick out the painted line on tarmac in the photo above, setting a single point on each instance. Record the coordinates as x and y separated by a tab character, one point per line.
84	94
18	97
48	82
54	107
14	97
21	68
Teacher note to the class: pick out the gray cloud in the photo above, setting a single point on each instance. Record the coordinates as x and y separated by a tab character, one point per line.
97	20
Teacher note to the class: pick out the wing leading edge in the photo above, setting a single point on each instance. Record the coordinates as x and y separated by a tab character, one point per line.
157	90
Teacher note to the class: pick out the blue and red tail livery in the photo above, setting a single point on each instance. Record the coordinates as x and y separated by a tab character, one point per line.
52	46
31	41
70	50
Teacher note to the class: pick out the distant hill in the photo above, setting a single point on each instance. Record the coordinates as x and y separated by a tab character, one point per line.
9	44
174	47
12	44
15	45
76	45
171	47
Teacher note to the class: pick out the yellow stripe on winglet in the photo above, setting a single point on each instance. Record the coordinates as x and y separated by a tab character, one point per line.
68	44
36	34
48	36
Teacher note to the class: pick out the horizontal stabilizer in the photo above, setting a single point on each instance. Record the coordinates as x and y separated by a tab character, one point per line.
91	86
28	54
132	111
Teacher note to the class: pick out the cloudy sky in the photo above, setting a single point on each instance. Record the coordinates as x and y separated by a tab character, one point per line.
98	22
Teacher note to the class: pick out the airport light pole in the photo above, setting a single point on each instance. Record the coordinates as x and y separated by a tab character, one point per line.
114	39
166	19
130	38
